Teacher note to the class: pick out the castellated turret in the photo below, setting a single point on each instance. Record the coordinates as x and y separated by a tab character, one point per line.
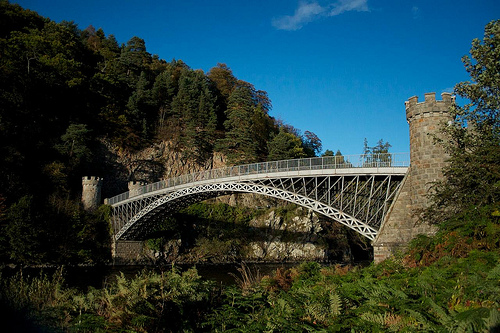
426	158
91	192
135	188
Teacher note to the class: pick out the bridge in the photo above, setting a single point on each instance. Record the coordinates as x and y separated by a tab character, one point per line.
355	191
379	197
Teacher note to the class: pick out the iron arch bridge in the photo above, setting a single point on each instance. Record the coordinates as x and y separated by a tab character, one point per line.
355	191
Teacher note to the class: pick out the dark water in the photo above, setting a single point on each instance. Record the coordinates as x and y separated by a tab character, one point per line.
97	277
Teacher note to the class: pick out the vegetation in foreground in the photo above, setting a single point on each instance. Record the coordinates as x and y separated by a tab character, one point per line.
446	283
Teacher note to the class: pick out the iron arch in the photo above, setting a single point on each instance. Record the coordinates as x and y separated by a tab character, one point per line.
137	225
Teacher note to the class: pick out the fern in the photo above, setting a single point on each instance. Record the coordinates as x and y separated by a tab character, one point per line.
335	304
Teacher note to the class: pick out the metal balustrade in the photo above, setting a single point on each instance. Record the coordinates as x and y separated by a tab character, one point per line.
397	160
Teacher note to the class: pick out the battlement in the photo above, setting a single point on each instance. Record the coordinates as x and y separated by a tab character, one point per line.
136	184
91	181
135	188
430	107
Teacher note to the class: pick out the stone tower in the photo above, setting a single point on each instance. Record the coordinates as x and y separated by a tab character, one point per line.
426	162
91	192
426	158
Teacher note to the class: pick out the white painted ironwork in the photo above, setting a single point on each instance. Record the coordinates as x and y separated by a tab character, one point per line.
133	229
357	197
315	165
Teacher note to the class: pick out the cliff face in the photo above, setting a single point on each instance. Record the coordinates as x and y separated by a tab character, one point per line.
161	160
287	238
271	237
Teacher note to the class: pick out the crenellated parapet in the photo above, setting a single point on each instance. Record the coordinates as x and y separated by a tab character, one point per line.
135	188
430	107
91	192
91	181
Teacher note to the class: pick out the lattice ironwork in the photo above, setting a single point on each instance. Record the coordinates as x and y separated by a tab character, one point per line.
358	199
327	165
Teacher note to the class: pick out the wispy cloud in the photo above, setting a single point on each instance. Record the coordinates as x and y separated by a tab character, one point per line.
415	12
342	6
305	13
309	11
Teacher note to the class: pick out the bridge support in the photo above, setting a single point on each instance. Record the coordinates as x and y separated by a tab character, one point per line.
130	253
427	159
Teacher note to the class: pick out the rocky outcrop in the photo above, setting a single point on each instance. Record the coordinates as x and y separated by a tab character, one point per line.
161	160
291	237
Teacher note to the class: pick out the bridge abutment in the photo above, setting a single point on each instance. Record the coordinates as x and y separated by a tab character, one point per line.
427	159
128	252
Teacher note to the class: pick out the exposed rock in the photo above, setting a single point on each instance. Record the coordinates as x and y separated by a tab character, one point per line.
281	251
296	239
162	160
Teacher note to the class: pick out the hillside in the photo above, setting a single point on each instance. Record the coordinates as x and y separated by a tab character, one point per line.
76	102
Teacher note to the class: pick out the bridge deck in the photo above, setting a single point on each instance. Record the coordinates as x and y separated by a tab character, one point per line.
388	164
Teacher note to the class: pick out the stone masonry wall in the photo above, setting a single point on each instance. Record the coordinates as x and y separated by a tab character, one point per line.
130	253
426	162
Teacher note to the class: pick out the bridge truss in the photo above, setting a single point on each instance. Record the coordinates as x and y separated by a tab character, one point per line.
356	196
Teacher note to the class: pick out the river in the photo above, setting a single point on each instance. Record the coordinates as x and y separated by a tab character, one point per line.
92	276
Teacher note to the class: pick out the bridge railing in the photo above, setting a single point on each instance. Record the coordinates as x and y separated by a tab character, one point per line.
313	163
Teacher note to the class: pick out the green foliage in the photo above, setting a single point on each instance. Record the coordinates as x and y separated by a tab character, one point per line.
473	229
75	142
312	144
472	176
43	300
377	155
239	144
210	232
22	233
285	146
149	302
458	296
327	152
67	95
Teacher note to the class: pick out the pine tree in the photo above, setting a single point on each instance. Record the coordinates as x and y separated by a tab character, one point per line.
239	143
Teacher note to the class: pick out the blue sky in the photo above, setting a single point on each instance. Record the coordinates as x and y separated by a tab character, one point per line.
341	69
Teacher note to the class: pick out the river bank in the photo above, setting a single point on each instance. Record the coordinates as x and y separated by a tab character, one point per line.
84	276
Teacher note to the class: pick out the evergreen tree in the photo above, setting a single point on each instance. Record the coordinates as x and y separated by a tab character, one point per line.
164	90
195	106
134	59
285	146
239	144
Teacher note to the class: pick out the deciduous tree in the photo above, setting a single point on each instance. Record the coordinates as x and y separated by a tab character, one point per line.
472	177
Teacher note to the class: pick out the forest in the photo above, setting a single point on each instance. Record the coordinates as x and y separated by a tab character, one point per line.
67	94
